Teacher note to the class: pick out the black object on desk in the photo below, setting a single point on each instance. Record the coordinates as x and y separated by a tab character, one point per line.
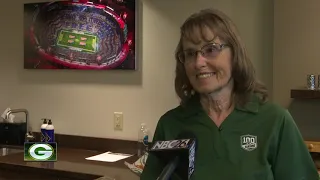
12	133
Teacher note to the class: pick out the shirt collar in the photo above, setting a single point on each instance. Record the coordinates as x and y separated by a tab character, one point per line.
252	106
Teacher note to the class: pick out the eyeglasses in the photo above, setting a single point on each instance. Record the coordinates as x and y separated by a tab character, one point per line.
208	51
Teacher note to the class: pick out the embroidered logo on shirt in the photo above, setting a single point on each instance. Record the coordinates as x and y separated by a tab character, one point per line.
248	142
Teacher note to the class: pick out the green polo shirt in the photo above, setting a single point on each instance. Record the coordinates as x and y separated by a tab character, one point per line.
255	142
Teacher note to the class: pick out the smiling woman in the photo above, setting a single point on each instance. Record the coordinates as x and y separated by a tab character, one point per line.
240	134
223	51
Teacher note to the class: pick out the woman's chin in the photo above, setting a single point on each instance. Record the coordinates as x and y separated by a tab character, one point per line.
205	90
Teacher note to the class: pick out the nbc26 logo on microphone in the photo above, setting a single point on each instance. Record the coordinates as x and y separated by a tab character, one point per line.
40	151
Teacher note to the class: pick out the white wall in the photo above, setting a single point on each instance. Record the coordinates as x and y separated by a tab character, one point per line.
83	102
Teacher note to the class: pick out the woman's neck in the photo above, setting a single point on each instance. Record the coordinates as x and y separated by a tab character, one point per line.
219	104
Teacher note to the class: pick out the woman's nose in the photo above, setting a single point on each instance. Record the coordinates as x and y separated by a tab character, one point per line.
200	60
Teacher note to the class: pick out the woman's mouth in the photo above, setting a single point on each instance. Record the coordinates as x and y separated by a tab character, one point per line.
205	75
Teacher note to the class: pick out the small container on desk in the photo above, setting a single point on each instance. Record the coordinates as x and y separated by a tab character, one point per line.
311	81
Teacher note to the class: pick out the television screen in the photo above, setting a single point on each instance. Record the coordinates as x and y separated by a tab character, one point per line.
96	35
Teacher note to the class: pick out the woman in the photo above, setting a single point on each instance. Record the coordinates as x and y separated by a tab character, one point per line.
240	135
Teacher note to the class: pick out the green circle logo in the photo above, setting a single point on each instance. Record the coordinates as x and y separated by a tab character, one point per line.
41	152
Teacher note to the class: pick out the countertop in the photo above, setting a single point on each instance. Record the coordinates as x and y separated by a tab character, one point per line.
71	165
72	162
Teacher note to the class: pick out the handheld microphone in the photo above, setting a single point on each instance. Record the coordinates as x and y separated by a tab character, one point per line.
179	154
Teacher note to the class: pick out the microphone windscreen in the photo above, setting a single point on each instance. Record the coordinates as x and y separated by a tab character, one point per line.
182	147
187	135
182	142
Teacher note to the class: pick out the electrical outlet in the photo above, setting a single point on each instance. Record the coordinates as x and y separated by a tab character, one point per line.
118	121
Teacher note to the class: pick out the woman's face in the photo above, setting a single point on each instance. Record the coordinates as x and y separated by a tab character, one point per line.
210	70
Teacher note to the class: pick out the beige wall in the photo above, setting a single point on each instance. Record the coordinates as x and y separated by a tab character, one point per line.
296	54
296	46
83	102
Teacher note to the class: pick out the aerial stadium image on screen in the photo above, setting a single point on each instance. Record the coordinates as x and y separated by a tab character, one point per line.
80	34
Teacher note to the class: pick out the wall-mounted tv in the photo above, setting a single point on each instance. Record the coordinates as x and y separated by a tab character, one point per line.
80	34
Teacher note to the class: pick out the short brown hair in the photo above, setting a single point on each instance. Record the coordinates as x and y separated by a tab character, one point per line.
243	73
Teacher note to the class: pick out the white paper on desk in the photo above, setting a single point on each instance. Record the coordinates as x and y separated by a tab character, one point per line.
108	157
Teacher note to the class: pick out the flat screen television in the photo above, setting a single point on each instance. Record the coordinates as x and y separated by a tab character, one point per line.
80	34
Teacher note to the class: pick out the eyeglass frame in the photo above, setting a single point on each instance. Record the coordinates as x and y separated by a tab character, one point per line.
220	48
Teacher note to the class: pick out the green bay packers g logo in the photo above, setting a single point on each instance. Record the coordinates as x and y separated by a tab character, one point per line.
41	152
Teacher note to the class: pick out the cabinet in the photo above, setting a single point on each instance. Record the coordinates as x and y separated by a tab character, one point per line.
12	133
313	146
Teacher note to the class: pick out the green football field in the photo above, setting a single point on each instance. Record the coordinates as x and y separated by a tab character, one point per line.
84	42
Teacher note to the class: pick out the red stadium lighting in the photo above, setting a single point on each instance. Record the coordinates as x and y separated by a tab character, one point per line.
125	15
98	58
